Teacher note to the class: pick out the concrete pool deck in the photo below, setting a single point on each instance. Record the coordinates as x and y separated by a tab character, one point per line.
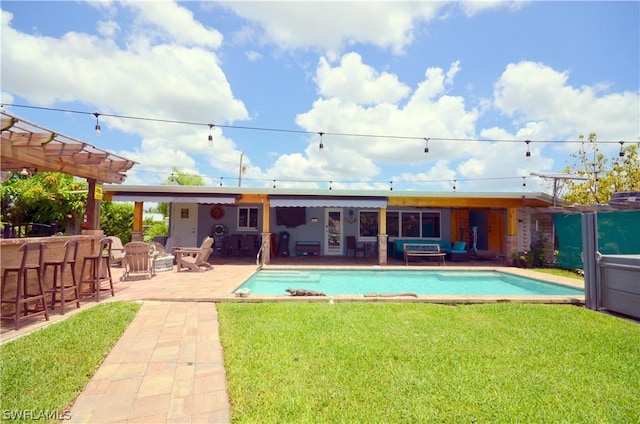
168	366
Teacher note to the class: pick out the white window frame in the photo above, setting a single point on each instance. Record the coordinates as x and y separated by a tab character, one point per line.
248	210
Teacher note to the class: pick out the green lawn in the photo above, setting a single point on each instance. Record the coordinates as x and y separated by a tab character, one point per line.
45	371
403	363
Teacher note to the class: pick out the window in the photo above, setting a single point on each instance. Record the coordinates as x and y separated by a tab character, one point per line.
368	225
247	218
431	224
410	224
413	224
393	224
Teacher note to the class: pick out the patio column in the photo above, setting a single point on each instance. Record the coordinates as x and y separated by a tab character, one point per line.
137	235
382	236
512	231
266	234
93	209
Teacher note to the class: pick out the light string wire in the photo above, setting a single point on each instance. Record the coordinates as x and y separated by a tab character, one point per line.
242	127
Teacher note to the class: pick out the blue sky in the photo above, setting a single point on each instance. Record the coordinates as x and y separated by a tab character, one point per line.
272	75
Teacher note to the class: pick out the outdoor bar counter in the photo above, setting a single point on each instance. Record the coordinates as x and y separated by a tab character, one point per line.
54	250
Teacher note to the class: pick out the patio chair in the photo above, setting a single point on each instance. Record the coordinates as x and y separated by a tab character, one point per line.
352	244
231	245
117	251
195	258
138	260
172	244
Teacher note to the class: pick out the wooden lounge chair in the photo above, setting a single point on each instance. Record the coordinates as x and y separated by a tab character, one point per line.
195	258
138	260
117	251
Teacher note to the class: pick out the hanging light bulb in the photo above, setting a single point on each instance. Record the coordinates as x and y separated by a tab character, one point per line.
390	185
454	184
527	155
221	178
524	182
210	138
321	145
330	182
621	154
274	183
98	131
426	146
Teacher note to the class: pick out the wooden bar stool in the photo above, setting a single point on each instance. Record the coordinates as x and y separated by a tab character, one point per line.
63	286
96	271
25	293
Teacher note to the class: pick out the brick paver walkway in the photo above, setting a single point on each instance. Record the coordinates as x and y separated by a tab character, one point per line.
166	368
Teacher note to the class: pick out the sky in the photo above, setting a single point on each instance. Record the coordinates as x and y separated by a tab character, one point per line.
375	82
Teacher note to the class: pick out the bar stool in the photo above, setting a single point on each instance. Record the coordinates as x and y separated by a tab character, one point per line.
63	286
32	255
96	271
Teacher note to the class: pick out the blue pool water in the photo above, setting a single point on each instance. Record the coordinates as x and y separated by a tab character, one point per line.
427	282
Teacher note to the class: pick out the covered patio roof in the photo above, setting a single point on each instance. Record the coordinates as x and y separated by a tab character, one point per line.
329	198
27	145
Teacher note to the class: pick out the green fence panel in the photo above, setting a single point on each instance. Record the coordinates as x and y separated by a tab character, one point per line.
618	234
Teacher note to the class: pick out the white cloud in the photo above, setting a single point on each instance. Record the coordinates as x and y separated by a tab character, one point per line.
168	19
530	91
332	26
145	78
353	81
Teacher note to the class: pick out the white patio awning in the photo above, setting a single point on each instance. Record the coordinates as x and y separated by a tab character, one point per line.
169	198
327	202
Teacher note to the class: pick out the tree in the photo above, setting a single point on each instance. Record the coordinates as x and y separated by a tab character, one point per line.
116	219
178	177
605	175
44	197
182	178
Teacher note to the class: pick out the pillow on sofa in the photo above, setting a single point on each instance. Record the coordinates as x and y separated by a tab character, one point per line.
460	246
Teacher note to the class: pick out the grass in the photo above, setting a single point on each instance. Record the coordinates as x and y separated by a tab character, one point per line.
559	272
46	370
404	363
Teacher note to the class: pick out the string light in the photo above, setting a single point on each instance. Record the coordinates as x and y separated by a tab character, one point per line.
321	145
98	131
426	146
330	183
621	154
221	178
387	136
390	185
210	138
274	183
524	182
528	153
454	184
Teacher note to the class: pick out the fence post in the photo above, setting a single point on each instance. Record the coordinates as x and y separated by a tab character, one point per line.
590	260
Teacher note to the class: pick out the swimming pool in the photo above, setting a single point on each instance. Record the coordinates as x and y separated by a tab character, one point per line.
420	282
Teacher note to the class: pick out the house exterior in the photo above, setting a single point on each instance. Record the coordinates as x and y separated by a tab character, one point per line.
318	222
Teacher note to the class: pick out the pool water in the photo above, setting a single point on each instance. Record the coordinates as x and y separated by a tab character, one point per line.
425	282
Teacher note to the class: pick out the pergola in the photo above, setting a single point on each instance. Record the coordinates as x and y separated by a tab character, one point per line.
30	147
